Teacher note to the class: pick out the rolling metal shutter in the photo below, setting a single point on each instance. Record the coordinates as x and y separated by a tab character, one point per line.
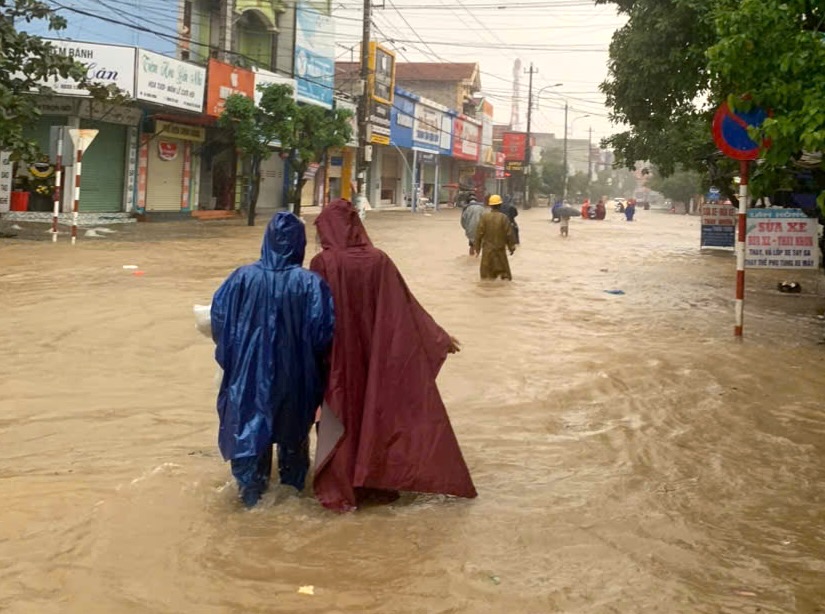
101	188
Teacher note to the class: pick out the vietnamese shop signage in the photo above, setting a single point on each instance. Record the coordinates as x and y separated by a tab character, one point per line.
105	64
781	239
466	138
170	82
427	127
5	180
718	225
314	55
514	145
224	81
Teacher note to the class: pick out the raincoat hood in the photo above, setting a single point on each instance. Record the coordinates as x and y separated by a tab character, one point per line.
284	242
340	227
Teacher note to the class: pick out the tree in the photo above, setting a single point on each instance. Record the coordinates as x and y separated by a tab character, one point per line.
305	132
578	185
27	63
552	171
680	187
772	53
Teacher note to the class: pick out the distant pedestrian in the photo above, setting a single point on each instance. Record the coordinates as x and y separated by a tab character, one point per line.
493	238
630	210
469	221
510	210
564	225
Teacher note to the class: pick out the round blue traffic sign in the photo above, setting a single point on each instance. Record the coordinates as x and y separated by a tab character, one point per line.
730	132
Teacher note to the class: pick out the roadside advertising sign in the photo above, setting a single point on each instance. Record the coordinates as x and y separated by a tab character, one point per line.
781	239
718	225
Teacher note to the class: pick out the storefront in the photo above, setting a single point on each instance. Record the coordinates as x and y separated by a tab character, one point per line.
466	149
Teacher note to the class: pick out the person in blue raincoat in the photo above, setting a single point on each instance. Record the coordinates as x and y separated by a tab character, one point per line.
272	323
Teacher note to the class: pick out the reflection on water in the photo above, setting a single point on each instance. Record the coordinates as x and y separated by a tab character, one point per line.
629	456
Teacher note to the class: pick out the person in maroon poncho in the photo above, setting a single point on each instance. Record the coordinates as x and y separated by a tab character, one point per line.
384	427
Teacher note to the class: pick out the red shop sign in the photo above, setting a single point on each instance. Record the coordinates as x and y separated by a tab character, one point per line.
514	145
466	139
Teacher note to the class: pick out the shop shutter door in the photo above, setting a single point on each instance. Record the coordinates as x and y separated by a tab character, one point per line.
164	178
101	187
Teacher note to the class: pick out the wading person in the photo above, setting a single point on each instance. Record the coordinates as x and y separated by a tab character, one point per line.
469	221
384	427
510	210
494	237
272	323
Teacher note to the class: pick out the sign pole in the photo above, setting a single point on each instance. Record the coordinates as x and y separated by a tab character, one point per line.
744	172
58	179
76	204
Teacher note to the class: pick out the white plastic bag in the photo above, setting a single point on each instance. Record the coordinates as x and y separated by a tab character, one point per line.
203	319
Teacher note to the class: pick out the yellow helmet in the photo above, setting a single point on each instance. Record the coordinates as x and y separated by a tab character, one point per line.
495	200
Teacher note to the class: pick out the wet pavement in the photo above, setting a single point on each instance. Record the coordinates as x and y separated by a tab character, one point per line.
630	456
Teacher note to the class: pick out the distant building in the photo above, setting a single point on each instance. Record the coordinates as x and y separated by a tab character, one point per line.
454	85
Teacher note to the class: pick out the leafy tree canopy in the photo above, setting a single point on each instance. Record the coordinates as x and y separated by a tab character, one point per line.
27	63
305	132
676	60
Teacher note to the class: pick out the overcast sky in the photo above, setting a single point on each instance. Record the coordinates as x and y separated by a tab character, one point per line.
567	41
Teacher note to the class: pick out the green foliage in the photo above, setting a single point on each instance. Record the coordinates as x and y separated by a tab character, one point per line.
772	54
680	187
26	63
552	171
676	60
578	186
657	69
306	132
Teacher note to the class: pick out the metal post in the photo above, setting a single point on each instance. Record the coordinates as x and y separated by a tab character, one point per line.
76	205
414	198
740	247
590	163
564	191
58	179
364	103
528	153
435	187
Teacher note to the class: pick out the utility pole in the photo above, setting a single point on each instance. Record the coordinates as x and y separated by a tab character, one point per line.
590	161
364	104
564	195
528	154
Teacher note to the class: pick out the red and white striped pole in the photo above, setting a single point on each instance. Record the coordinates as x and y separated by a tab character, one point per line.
744	197
58	179
79	162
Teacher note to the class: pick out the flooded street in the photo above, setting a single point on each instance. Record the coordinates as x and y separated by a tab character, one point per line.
630	457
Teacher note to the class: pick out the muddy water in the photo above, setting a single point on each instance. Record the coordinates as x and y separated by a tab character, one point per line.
629	456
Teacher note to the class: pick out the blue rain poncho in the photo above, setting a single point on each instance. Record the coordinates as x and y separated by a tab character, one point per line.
273	323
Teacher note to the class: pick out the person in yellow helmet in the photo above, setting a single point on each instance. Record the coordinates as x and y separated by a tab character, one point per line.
494	237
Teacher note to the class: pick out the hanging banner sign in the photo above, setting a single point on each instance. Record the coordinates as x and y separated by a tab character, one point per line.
781	239
380	124
170	82
718	225
466	139
314	54
427	126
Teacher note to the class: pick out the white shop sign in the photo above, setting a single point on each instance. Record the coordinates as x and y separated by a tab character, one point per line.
264	78
781	239
170	82
106	65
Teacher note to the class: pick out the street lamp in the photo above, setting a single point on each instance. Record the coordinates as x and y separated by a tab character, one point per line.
529	153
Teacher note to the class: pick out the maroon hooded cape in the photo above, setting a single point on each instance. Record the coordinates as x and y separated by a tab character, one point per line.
383	424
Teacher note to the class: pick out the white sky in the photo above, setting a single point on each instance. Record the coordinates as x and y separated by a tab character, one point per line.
567	40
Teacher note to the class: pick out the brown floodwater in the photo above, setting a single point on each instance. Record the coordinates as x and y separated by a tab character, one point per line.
630	456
